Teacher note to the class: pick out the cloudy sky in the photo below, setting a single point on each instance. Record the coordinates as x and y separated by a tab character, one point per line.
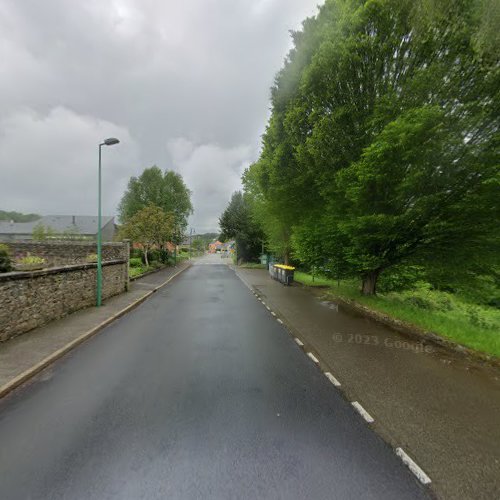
183	85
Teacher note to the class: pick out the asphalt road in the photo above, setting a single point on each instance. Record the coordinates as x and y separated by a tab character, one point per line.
198	393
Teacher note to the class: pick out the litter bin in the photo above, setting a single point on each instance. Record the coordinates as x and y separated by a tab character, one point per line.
283	274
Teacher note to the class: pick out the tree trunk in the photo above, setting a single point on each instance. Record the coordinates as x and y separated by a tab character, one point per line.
369	286
286	257
146	256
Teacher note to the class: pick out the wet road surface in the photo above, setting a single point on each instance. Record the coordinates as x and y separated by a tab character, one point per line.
441	407
198	393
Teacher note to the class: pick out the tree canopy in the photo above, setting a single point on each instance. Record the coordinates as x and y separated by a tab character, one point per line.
18	217
382	146
165	190
149	226
236	222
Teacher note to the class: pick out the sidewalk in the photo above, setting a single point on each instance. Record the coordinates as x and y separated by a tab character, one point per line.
440	407
31	351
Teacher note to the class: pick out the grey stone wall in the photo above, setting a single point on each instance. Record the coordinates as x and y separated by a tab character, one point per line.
32	299
61	253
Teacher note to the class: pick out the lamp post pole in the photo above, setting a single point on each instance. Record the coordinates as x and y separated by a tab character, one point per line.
99	238
107	142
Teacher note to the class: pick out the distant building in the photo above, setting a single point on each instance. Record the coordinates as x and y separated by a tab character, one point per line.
215	246
61	226
218	247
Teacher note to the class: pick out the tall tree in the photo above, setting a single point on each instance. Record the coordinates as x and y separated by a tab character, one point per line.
236	222
385	116
149	226
165	190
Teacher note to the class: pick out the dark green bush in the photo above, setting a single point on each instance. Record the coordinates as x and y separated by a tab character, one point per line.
154	256
136	253
135	262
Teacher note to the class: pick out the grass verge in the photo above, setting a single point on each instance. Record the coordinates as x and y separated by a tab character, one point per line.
445	314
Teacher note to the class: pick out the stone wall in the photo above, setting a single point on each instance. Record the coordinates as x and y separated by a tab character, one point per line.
32	299
61	253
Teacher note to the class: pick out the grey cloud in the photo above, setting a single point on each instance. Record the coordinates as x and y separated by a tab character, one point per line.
157	73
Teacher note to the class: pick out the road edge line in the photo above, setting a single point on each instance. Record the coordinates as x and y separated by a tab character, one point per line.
51	358
412	465
363	412
332	379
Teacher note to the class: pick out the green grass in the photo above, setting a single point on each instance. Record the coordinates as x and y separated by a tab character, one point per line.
446	314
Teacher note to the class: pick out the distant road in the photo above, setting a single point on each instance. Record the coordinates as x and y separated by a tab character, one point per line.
197	394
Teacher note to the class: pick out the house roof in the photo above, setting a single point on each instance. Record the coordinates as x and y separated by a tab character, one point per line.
83	224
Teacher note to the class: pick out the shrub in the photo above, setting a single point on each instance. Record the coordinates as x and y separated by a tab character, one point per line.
5	262
31	259
154	256
400	278
135	262
420	302
136	253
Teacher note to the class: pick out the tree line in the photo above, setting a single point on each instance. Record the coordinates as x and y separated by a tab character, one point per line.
381	154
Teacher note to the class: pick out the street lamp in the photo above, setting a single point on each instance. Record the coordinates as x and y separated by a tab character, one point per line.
107	142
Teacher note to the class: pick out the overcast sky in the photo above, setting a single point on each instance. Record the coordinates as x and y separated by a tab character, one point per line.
183	84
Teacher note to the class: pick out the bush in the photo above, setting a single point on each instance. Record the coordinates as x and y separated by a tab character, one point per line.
31	259
135	253
420	302
135	262
5	262
154	256
399	278
163	256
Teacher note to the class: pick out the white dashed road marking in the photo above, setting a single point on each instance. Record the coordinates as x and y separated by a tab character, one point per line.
363	412
421	475
299	342
332	379
313	357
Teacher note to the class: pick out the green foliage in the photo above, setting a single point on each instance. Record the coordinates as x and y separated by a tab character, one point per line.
42	233
198	245
236	222
18	217
5	260
137	271
164	190
135	262
31	259
91	257
149	226
382	148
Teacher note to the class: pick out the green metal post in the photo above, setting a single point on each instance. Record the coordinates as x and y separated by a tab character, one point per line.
99	239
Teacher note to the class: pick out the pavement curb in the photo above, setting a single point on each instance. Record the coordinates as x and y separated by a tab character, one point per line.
35	369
